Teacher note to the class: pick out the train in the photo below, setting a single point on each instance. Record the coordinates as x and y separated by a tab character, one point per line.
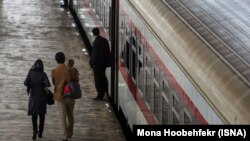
176	62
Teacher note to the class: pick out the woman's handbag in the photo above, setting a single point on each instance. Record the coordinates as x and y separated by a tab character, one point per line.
72	90
50	96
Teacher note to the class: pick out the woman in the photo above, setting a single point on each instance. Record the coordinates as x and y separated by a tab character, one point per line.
36	81
73	72
73	77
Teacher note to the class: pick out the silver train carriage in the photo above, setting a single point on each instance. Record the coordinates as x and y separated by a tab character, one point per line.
182	61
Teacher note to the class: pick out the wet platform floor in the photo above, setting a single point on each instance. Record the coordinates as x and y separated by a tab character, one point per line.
32	29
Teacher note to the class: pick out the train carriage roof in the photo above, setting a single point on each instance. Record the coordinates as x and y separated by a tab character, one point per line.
225	25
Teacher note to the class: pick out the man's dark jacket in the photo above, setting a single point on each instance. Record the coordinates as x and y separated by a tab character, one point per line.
100	54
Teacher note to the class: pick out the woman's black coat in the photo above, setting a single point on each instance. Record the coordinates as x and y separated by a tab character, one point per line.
37	80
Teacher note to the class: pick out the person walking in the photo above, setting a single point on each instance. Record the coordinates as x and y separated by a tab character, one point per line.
100	59
36	81
65	105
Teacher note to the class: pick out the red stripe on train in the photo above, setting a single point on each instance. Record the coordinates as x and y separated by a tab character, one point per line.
142	105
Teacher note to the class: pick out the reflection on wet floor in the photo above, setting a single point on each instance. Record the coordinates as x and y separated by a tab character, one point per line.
38	29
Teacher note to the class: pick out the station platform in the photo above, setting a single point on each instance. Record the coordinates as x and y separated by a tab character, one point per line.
38	29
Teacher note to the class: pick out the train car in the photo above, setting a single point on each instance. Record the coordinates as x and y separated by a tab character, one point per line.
181	62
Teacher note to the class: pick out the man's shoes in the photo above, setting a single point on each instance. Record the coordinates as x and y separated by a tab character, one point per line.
40	135
98	99
34	136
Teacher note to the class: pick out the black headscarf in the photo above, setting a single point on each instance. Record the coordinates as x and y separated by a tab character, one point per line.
38	66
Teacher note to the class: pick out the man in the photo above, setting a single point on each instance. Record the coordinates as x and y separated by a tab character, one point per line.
100	59
65	105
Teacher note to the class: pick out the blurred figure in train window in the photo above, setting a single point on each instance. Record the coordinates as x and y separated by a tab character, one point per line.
65	105
100	59
36	81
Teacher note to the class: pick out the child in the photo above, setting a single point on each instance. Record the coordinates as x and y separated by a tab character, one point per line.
73	72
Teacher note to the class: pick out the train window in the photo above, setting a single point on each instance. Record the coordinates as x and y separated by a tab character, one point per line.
101	10
122	54
127	55
156	74
140	68
133	62
187	118
106	14
176	102
165	88
140	65
134	59
149	89
140	50
165	110
157	102
133	41
123	43
140	57
98	7
141	81
146	89
148	62
176	119
128	31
